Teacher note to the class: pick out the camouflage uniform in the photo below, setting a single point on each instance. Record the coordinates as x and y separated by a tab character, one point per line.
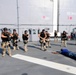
47	39
5	42
55	36
42	37
25	40
64	39
15	40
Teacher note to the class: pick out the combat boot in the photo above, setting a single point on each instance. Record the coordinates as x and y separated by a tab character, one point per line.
3	55
14	48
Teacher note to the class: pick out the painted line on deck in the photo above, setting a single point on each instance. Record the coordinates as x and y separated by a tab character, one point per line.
50	64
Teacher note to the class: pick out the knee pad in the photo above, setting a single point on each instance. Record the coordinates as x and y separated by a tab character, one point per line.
16	45
25	41
44	44
46	41
8	45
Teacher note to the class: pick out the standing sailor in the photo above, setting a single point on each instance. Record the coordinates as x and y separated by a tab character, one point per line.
6	37
42	37
15	39
25	38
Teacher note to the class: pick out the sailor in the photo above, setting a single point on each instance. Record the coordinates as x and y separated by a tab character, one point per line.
25	38
6	37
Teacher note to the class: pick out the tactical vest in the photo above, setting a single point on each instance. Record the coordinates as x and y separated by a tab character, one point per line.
47	36
8	36
42	34
15	36
63	35
25	36
55	34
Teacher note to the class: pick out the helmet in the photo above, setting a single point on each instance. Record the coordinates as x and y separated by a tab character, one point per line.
25	31
5	29
43	30
14	29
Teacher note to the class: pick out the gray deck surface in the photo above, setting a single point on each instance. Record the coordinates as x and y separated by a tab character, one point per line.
12	66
